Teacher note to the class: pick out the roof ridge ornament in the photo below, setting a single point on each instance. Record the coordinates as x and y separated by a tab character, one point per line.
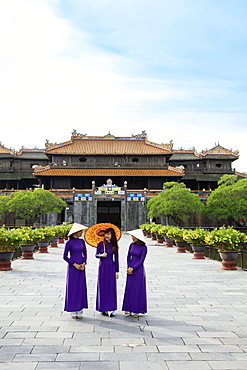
75	134
143	135
109	136
218	149
49	145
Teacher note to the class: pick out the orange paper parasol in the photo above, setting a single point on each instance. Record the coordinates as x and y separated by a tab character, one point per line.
95	233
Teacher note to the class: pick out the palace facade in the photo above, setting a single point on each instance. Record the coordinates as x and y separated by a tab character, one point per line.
109	178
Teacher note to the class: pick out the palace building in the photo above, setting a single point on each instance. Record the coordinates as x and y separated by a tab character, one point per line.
109	178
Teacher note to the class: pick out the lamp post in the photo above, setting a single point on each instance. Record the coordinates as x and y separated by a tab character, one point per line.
125	208
93	202
145	204
73	205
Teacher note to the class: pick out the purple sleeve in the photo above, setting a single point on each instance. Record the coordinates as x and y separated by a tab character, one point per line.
99	250
116	262
84	259
142	258
66	252
128	257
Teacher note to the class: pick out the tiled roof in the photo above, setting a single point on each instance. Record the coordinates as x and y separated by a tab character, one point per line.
101	146
219	150
53	171
4	150
241	174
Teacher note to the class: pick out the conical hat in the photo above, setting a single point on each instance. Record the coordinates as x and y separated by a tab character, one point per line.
76	227
137	233
95	233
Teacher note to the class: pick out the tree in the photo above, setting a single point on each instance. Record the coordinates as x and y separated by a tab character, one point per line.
227	180
229	200
3	204
176	202
32	204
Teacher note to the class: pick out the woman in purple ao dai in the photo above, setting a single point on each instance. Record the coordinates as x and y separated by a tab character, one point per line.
75	254
107	252
135	295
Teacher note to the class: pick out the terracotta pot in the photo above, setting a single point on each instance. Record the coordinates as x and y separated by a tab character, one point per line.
181	246
27	251
169	242
5	261
198	250
153	236
61	240
54	242
43	247
160	239
228	260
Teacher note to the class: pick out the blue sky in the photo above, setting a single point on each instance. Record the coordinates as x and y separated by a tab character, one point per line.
175	68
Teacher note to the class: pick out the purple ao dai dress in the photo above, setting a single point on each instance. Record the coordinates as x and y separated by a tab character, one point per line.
135	296
76	287
106	297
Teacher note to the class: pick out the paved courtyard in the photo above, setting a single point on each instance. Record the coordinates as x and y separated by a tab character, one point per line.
197	317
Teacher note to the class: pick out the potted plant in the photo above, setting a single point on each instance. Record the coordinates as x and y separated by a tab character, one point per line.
54	240
9	241
176	233
196	238
44	236
164	231
154	231
228	241
143	228
28	241
148	230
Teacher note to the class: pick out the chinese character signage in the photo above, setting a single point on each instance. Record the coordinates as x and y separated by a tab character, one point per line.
83	197
136	197
109	189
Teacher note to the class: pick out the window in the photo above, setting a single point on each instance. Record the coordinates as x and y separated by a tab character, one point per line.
135	160
218	165
82	159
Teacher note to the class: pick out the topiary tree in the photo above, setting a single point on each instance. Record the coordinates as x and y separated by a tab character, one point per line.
4	200
32	204
229	200
176	202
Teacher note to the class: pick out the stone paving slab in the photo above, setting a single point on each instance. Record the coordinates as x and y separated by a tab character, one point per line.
197	316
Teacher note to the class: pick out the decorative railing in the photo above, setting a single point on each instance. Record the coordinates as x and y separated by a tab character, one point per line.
110	165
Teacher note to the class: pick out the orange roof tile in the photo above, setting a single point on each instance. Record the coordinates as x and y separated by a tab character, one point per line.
88	145
5	150
53	171
219	150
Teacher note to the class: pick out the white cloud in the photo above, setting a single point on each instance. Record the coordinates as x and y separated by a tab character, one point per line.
53	80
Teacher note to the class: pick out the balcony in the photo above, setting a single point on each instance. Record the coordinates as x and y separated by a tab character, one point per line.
111	165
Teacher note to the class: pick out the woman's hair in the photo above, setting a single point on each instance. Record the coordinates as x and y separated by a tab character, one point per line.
140	243
113	241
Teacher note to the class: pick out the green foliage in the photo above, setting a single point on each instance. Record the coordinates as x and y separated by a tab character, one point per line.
195	236
61	230
9	239
226	238
12	238
155	228
175	233
227	180
44	234
163	230
3	205
228	201
176	202
31	204
146	227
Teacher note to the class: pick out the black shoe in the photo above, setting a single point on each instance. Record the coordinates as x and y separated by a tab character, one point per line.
104	313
